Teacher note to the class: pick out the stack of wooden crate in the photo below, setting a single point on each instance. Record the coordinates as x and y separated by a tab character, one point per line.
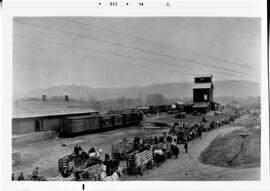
136	161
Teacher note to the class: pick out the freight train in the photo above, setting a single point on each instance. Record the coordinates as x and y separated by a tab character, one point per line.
79	125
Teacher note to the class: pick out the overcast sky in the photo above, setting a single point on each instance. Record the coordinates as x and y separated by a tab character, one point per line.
116	52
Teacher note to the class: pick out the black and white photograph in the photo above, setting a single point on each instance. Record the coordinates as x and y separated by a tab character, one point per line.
126	98
141	98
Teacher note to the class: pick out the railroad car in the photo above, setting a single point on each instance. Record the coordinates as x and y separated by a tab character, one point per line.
144	109
131	118
77	125
153	109
118	120
106	122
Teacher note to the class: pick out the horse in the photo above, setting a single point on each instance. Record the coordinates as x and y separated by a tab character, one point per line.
96	154
161	139
114	177
159	156
136	143
169	139
115	164
111	165
174	151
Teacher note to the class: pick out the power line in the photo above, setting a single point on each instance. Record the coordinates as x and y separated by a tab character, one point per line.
102	59
126	46
156	43
108	60
112	53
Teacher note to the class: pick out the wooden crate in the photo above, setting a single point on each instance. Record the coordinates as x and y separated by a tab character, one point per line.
122	147
143	157
136	159
71	162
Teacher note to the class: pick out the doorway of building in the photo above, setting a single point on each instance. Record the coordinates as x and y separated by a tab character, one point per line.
37	125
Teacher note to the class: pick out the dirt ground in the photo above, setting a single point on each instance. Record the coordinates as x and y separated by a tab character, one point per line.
45	155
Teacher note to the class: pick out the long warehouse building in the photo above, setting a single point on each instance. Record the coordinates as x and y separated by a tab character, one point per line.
45	115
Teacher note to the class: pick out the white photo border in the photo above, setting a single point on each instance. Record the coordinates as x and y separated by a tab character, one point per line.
237	8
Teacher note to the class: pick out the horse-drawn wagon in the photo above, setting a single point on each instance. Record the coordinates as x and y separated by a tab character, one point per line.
183	135
120	150
139	161
91	172
68	164
205	126
80	164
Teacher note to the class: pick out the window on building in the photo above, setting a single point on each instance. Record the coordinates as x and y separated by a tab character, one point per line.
205	97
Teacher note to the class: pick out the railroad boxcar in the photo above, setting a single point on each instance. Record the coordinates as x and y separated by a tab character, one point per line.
127	119
76	125
118	120
153	109
163	108
135	117
144	109
132	118
107	122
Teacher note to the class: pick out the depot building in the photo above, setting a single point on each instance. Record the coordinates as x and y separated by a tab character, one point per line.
45	115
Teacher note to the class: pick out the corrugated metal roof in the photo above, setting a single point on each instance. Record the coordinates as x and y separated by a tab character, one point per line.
200	104
78	117
30	109
202	85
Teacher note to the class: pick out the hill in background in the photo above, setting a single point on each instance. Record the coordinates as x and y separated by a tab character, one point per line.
240	89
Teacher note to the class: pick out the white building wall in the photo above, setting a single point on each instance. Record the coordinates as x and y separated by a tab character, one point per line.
23	126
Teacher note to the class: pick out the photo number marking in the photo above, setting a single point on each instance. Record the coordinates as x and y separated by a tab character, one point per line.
140	4
113	4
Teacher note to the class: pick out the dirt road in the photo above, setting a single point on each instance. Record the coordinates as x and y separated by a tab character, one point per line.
187	166
45	155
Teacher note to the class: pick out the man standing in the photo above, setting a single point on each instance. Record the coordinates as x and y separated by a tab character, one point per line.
200	130
21	177
186	147
13	176
76	149
108	164
164	135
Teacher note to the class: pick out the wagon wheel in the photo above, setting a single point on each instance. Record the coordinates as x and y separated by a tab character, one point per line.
142	169
67	174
